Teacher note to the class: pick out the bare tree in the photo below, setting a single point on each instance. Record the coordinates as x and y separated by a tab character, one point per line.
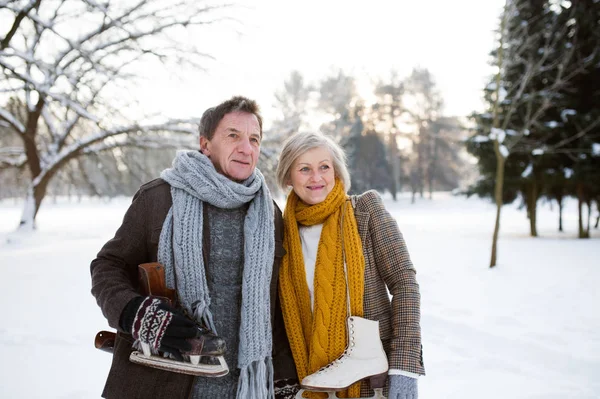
423	104
292	101
338	101
386	112
72	65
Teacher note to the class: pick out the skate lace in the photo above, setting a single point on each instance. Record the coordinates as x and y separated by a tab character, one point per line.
337	362
340	360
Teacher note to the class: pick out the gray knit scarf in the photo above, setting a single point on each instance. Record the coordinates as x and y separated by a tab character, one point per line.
193	181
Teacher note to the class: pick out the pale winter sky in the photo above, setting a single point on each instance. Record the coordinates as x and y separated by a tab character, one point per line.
367	39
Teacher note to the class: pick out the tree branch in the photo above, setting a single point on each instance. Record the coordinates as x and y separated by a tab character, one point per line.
18	19
75	149
12	121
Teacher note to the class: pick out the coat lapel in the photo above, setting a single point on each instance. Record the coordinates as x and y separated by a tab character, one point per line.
362	221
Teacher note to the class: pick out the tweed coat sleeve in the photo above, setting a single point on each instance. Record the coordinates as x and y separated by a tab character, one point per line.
115	267
393	264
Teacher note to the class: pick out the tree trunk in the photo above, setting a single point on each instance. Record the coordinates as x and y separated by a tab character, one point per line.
33	201
395	163
532	205
498	195
420	161
433	167
499	185
560	213
580	201
589	217
598	209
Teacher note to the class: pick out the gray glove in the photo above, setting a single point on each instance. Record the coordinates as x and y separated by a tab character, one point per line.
402	387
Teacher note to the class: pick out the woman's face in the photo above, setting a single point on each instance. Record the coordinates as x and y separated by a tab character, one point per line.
312	176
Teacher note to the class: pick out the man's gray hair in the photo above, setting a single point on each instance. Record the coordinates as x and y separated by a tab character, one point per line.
300	143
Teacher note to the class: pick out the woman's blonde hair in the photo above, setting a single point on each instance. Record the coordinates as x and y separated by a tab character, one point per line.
298	144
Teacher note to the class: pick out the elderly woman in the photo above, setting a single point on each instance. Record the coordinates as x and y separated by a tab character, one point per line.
342	249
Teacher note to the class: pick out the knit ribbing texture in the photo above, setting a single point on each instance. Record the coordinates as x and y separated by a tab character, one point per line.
193	181
318	336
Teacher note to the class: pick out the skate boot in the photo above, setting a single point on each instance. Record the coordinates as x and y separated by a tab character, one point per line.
205	358
364	357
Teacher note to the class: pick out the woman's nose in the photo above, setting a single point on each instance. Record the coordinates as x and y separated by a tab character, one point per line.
315	176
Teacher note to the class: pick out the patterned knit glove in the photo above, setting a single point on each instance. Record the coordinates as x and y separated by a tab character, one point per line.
402	387
155	323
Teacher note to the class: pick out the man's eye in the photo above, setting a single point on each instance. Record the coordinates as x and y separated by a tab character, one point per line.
255	140
233	135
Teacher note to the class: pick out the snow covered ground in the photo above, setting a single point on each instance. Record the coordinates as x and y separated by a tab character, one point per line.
529	328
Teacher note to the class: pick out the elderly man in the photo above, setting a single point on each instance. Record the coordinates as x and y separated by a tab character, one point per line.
211	222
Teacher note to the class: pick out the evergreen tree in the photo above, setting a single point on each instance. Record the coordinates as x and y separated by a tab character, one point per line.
577	110
367	160
535	65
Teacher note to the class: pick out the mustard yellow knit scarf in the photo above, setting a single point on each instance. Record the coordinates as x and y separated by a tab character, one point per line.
318	337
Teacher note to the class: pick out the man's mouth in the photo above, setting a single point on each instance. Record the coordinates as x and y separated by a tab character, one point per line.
241	162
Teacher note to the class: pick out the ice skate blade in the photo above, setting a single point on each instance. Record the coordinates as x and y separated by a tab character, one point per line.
378	394
167	364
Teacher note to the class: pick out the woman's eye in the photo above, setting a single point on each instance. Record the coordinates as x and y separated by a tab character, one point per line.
304	169
325	167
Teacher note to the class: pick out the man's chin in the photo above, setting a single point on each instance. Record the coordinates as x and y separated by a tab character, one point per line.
240	176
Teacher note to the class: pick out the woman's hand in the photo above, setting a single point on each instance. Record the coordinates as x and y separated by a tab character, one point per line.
402	387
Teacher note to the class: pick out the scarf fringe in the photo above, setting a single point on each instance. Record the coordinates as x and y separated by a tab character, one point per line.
256	380
203	314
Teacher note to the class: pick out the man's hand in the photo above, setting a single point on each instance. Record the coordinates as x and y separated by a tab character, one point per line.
155	323
402	387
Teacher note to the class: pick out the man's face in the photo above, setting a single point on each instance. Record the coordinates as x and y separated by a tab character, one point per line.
235	146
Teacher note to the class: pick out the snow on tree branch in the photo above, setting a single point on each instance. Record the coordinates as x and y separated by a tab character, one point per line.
12	121
80	147
589	127
12	157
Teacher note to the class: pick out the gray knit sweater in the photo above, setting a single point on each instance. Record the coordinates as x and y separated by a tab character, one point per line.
224	278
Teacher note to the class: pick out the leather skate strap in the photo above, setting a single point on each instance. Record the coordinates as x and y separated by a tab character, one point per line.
153	283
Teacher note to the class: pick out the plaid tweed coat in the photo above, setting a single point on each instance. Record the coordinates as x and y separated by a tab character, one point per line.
388	264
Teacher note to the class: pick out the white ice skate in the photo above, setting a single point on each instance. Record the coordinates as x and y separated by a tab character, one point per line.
364	357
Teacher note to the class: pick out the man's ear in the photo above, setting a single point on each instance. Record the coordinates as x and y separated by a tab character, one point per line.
204	146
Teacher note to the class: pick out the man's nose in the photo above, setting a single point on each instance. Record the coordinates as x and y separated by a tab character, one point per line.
244	146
